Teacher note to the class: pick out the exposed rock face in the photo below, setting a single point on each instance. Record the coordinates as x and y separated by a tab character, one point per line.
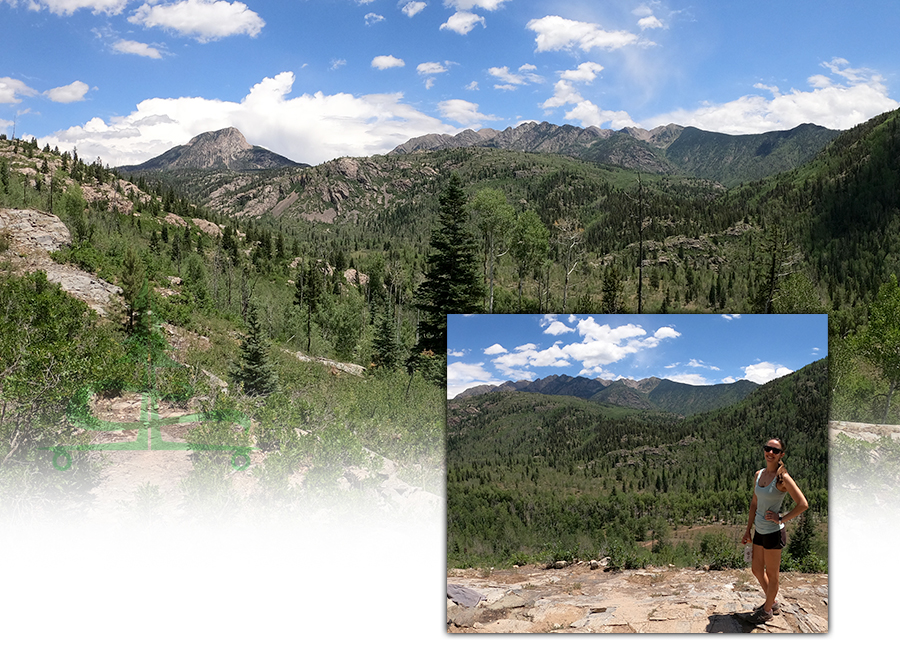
222	149
32	236
584	599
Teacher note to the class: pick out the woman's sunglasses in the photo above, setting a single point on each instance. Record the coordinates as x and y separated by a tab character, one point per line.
771	449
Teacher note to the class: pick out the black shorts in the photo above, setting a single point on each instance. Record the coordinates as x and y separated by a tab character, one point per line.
772	541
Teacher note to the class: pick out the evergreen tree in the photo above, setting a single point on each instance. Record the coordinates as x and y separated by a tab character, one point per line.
254	371
452	283
132	280
387	351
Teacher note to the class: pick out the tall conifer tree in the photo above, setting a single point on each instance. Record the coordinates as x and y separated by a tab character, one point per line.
452	283
253	370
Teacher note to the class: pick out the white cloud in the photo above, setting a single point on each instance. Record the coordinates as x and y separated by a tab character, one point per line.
205	20
463	22
589	114
730	317
512	80
515	364
337	63
74	92
69	7
136	48
372	18
585	72
555	33
649	22
763	372
12	90
600	345
688	378
387	62
464	112
862	95
333	125
455	353
694	363
427	68
489	5
584	111
461	376
413	8
558	328
495	349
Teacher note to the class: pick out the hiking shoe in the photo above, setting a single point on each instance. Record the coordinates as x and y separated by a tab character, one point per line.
776	608
761	616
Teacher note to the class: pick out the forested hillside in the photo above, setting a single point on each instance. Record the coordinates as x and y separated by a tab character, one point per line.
205	303
530	476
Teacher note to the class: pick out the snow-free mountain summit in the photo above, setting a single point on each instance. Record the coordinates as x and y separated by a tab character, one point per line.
652	393
222	149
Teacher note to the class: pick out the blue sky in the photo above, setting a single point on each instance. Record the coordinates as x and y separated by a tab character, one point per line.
125	80
691	349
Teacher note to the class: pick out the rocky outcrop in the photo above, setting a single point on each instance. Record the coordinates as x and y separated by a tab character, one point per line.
583	599
32	236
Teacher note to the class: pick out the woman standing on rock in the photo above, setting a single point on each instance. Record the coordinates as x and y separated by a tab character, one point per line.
770	486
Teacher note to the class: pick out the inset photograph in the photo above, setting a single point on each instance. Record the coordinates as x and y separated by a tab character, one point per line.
637	474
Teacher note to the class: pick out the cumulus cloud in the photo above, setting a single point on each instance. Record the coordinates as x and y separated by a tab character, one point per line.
12	90
763	372
74	92
428	68
556	327
512	80
461	376
372	17
555	33
496	348
856	96
204	20
649	22
413	8
515	364
387	62
584	111
463	22
689	378
600	345
136	48
585	72
333	125
464	113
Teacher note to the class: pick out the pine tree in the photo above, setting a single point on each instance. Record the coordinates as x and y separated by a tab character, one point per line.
387	351
452	283
253	371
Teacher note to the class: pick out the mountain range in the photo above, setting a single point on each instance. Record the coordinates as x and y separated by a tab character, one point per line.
651	393
668	149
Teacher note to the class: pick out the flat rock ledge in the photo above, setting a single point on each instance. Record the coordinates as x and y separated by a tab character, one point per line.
578	599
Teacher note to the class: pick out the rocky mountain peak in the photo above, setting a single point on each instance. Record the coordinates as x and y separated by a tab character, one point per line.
221	149
221	143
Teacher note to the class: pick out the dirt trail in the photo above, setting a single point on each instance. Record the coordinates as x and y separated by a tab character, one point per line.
577	599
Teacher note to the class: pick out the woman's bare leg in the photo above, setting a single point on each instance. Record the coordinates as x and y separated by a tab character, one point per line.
758	567
773	567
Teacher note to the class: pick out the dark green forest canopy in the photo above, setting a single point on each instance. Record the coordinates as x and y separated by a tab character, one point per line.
526	469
